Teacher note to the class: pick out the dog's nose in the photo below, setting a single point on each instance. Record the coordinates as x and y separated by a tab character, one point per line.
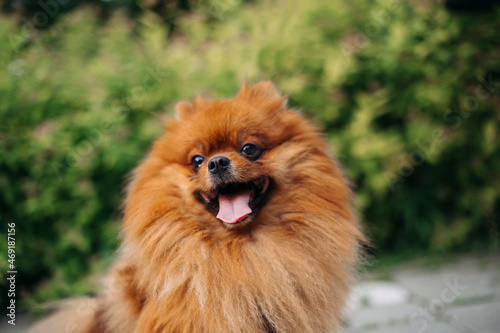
218	165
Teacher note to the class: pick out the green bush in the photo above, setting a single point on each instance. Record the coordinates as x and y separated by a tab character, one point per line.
408	96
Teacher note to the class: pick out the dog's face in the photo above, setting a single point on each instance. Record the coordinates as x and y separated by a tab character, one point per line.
232	182
232	151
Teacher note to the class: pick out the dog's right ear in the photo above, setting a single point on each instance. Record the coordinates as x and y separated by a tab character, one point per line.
182	109
263	92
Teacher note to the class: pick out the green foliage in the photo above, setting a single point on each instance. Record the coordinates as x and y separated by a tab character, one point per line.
408	95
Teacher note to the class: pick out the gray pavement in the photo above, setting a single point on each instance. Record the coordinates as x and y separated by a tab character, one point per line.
23	323
461	295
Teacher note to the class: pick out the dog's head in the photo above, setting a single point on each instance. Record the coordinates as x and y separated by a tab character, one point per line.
233	151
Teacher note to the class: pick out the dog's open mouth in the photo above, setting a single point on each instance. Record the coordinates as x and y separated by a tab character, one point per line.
234	202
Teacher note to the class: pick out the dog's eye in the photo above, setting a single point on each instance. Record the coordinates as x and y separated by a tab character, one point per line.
250	150
197	161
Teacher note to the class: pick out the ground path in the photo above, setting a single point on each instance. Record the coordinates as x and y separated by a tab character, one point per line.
461	295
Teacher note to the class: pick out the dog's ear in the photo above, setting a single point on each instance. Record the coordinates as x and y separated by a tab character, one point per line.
182	109
265	91
262	89
244	90
201	101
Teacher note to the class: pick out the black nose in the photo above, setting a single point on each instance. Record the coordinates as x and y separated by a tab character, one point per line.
218	165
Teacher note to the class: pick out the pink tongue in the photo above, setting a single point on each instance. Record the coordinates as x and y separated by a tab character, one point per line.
233	208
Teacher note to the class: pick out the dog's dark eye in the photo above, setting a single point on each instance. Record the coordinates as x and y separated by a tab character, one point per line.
197	161
250	151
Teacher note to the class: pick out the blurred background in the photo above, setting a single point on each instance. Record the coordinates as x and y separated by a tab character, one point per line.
408	94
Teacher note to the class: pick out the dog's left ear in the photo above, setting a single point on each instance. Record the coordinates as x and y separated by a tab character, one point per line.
182	109
264	91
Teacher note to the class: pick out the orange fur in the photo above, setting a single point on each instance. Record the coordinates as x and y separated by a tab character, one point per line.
287	269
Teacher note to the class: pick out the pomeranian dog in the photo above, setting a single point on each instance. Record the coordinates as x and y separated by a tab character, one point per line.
239	220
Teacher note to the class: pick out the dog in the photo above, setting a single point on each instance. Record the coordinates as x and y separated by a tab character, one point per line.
238	220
